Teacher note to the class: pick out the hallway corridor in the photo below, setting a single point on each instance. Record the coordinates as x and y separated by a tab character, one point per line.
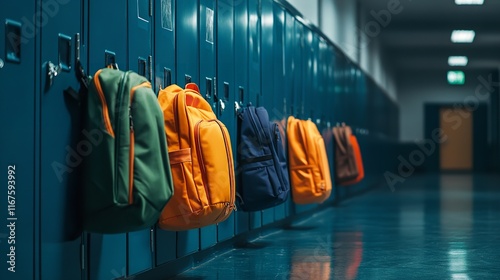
431	227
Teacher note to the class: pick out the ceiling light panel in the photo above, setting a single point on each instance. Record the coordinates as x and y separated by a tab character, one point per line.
463	36
458	61
469	2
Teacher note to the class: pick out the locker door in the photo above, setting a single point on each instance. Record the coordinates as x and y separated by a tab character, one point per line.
289	83
140	25
298	81
208	235
254	75
339	86
328	80
17	160
165	59
60	152
321	63
300	64
225	88
266	99
107	257
279	96
307	92
187	50
351	98
241	81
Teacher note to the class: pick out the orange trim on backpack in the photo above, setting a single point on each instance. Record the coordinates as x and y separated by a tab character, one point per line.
105	109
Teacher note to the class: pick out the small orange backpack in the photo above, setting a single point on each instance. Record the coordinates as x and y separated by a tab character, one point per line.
201	161
308	163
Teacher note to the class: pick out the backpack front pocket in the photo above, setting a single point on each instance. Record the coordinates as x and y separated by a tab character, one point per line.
215	161
261	177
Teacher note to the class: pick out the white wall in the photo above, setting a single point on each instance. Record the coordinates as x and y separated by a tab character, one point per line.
416	89
308	8
340	22
372	58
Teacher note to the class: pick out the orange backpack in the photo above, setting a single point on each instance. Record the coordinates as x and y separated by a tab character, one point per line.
358	160
201	161
308	163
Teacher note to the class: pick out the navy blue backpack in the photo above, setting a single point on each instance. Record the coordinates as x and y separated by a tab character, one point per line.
262	175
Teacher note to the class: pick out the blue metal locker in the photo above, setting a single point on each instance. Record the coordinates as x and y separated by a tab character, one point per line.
241	57
208	235
254	74
61	152
291	44
266	100
351	94
107	253
337	87
297	99
280	97
329	81
165	75
140	25
187	50
107	256
17	160
226	88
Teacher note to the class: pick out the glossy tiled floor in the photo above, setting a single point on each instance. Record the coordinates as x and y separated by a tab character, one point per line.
433	227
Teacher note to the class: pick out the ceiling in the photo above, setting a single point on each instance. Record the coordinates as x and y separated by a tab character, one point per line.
418	38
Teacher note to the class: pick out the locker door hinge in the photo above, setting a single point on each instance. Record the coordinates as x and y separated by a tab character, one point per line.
151	8
82	256
150	62
215	89
77	47
152	239
152	245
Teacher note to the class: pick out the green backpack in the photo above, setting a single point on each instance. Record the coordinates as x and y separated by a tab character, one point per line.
126	174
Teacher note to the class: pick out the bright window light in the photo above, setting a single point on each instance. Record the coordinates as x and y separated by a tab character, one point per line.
458	61
469	2
456	77
463	36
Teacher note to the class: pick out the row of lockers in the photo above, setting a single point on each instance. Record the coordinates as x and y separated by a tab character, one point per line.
253	51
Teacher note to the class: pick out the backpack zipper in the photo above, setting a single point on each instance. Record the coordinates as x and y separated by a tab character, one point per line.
105	109
200	160
227	144
132	142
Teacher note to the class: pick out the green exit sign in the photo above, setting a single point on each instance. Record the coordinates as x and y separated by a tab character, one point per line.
456	77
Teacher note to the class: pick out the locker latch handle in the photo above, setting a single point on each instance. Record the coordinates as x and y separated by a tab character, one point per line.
52	72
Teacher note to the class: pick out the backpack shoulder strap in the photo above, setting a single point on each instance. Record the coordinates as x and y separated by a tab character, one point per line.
338	133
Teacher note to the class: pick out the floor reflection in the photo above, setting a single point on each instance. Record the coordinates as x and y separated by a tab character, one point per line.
457	198
432	227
